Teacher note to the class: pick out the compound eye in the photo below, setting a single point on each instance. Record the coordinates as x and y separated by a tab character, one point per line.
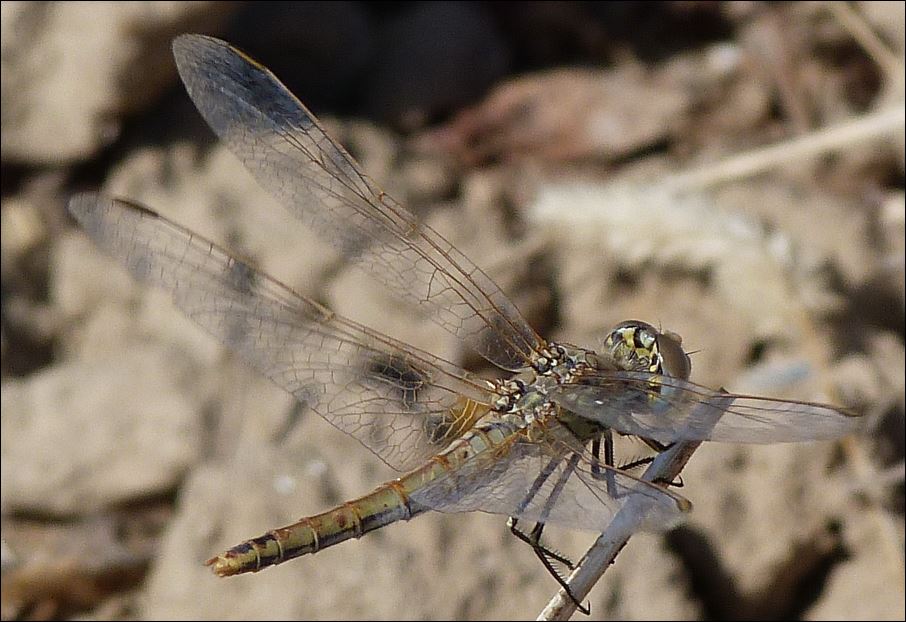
629	335
674	360
633	346
639	325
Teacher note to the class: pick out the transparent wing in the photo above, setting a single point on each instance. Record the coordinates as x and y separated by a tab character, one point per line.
670	409
402	403
282	144
535	482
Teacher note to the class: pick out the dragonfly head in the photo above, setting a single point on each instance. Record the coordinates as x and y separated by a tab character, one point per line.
639	346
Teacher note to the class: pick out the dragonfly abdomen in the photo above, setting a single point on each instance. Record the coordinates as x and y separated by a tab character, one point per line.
353	519
387	504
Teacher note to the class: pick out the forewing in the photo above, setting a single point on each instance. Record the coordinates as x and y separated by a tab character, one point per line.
282	144
536	482
670	409
402	403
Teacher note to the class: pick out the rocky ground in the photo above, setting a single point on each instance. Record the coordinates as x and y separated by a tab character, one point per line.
732	172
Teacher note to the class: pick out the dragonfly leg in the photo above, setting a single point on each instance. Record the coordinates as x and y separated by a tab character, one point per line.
609	460
533	539
677	483
596	470
657	445
547	557
638	462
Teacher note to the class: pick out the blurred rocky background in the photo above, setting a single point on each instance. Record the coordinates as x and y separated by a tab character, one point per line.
731	171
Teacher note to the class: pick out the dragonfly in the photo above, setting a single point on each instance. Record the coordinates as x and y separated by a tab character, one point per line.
536	445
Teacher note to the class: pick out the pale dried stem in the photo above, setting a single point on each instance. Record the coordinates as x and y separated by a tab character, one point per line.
859	30
881	124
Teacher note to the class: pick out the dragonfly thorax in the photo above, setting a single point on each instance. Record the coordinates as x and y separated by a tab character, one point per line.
527	395
553	358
